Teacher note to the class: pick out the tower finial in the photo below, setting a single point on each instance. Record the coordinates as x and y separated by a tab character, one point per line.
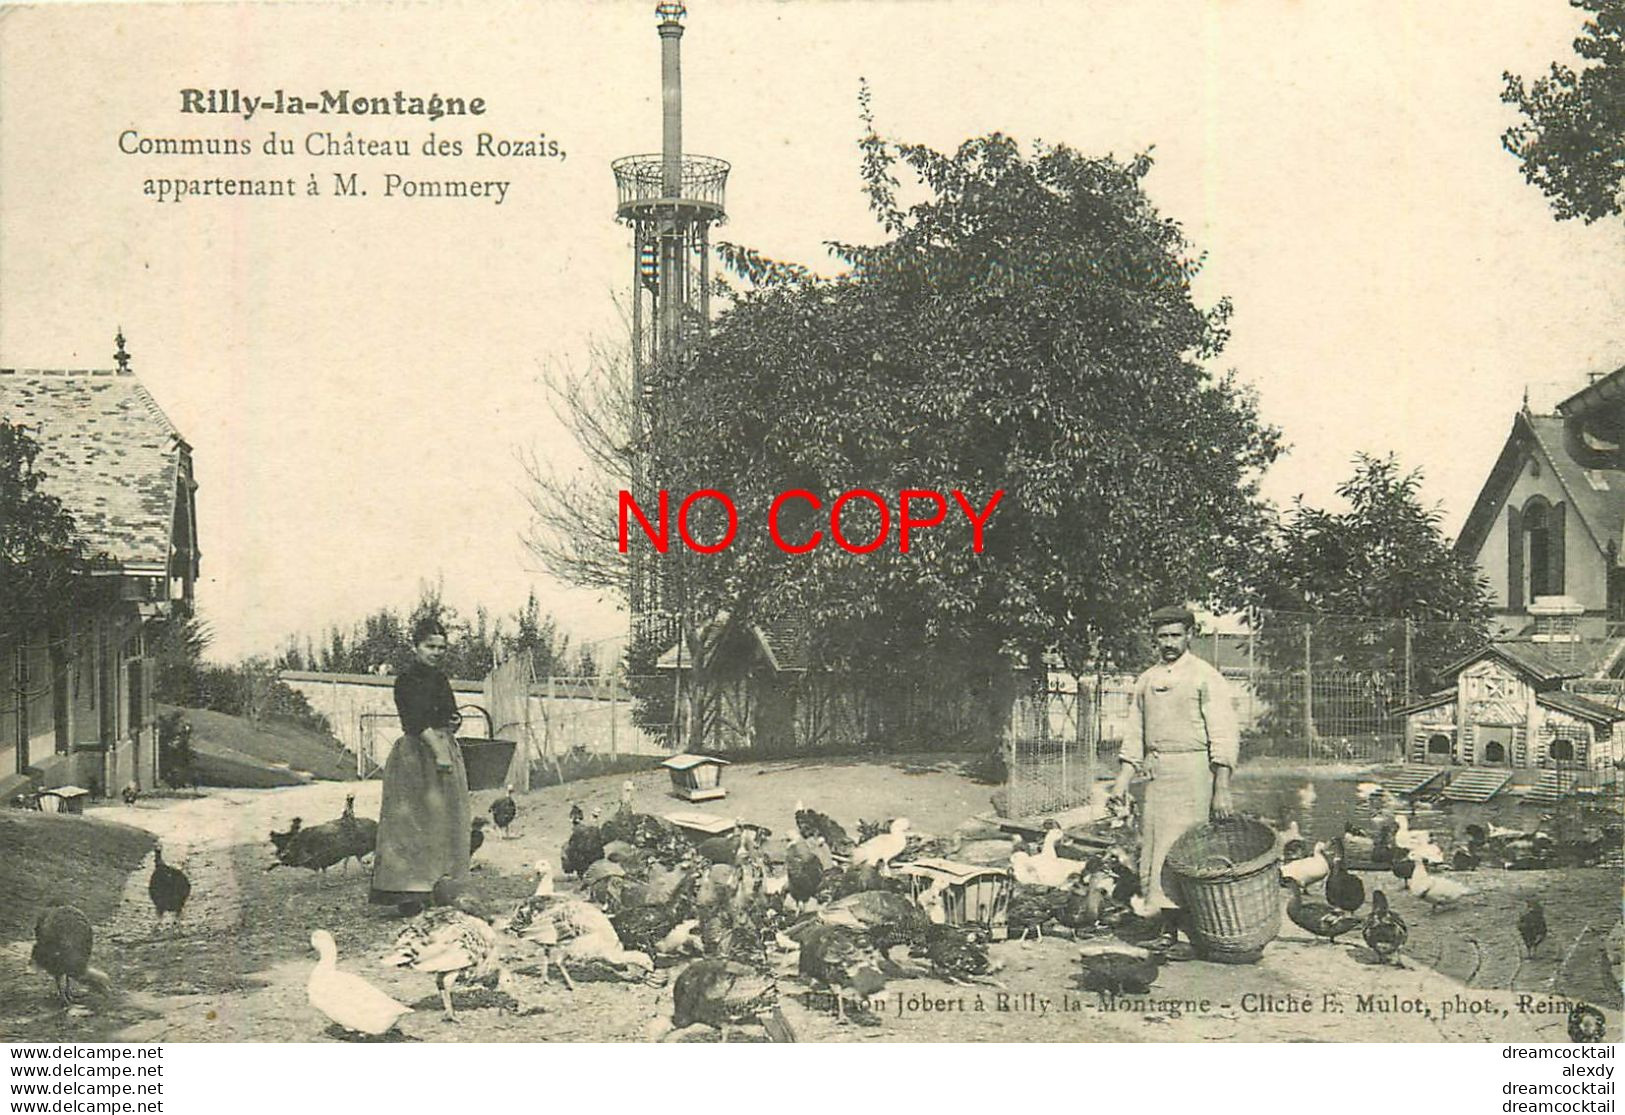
1526	396
121	358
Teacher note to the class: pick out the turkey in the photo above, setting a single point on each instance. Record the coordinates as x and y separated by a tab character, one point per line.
358	834
503	810
452	946
63	940
281	840
168	887
583	848
811	823
842	959
130	793
804	867
725	993
476	836
576	928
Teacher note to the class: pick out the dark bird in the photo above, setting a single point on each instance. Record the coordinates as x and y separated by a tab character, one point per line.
888	918
1463	859
1587	1024
1532	926
1476	835
130	793
62	943
1033	906
1117	972
583	848
576	815
1384	931
805	870
503	810
1320	918
954	953
723	993
1343	890
476	835
811	823
281	839
359	835
842	958
168	886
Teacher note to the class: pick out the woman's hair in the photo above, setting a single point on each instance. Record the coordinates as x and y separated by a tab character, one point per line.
426	627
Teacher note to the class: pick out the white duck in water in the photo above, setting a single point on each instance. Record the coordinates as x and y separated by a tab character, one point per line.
347	999
1306	795
881	850
1365	791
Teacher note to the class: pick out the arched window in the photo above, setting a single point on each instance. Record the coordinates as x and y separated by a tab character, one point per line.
1494	753
1541	546
1439	744
1561	750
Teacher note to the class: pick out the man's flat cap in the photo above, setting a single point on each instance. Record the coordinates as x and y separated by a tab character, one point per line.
1173	613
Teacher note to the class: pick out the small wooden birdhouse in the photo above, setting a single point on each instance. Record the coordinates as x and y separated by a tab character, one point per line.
696	777
699	826
972	894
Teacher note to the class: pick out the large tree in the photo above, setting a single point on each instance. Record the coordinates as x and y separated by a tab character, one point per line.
1374	582
1027	326
1572	139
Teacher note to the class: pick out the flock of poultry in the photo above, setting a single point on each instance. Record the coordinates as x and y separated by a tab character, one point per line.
736	907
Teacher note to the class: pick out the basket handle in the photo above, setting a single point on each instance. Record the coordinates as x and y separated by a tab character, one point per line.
1221	863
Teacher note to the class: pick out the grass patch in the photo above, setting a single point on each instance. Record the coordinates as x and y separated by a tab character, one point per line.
227	742
49	859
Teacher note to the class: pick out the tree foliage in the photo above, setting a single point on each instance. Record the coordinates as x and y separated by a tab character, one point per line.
1028	327
45	564
1384	557
1571	141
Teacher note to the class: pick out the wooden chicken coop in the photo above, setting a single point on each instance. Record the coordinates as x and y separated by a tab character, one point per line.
975	894
696	777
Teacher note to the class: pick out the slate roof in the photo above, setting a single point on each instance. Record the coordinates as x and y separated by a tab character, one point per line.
107	451
1527	658
1583	707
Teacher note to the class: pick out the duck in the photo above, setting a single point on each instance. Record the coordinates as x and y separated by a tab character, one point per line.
1532	926
1310	869
841	958
346	999
1319	918
1365	791
1292	844
810	823
1343	890
503	811
1384	931
1117	969
1049	868
882	849
63	942
453	946
168	887
1435	890
1418	842
1463	859
1306	795
723	993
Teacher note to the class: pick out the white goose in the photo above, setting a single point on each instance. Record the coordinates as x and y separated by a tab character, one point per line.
1052	870
347	999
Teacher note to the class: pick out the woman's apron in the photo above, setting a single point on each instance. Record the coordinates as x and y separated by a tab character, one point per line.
1178	797
423	823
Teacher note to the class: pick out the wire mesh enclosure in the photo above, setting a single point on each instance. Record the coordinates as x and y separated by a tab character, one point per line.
1050	753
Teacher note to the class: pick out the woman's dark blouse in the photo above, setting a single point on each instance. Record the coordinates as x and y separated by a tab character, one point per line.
423	698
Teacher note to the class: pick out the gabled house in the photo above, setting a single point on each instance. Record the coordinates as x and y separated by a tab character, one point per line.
76	703
1506	709
1548	528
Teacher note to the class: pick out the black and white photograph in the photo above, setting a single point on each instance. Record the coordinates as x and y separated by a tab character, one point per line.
734	521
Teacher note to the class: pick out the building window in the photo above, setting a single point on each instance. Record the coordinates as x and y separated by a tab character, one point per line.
1542	545
1494	753
1439	744
1561	751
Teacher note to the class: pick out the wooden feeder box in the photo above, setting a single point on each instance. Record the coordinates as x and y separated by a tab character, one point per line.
63	799
975	894
696	777
700	825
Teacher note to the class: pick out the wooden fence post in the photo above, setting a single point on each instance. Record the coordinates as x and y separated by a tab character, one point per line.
1308	693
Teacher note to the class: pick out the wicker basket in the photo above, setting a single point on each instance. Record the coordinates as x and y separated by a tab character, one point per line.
1230	885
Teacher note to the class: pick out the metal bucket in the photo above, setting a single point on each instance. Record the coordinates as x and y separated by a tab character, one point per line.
487	761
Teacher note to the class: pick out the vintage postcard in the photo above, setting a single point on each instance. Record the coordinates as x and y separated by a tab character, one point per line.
825	522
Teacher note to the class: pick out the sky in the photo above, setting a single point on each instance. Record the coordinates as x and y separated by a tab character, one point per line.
358	377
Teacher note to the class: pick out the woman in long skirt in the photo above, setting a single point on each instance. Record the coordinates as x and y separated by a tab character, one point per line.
425	817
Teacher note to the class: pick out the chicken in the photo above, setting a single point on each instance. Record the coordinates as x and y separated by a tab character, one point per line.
503	811
346	999
168	887
1532	926
63	940
452	946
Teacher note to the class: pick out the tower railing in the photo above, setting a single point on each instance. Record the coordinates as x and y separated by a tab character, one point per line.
640	187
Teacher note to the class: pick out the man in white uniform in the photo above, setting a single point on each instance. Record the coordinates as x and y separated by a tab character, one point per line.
1182	738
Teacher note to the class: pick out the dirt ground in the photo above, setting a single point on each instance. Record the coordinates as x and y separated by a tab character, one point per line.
236	967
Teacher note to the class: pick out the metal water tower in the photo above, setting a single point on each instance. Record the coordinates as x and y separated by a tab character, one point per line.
670	200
